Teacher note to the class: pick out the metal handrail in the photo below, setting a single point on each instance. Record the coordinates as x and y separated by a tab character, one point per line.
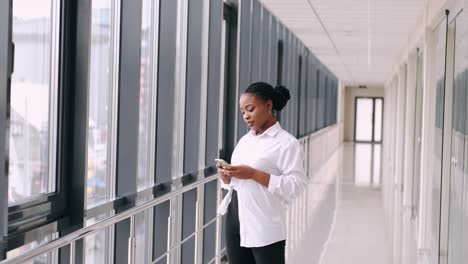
71	238
89	230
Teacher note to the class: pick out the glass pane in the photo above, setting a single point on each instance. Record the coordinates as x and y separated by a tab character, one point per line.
193	86
214	82
418	133
99	176
143	236
440	35
47	258
457	196
32	95
147	101
364	109
462	50
378	120
98	247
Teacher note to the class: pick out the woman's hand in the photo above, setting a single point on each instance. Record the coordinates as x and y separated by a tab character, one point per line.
222	172
243	172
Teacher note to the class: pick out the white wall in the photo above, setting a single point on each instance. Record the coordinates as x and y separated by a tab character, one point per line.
412	235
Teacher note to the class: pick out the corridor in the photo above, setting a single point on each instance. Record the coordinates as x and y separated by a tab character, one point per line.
114	114
349	227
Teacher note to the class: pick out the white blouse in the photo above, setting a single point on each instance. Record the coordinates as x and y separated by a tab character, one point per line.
262	211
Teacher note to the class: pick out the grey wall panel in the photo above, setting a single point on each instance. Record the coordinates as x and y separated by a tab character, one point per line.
188	225
332	94
161	213
292	76
231	91
193	90
209	239
188	207
5	73
309	101
289	83
244	57
265	46
128	123
315	92
302	95
327	100
284	73
129	98
321	103
305	93
188	251
280	55
166	86
273	59
287	80
214	74
295	86
255	39
292	82
330	101
310	93
316	97
209	236
335	99
210	201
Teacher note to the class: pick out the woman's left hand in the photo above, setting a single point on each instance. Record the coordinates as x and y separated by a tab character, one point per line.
243	172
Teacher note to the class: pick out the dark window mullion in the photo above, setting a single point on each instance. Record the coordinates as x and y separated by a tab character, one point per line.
75	62
5	73
128	116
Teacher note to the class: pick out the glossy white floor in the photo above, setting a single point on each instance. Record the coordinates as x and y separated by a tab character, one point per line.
348	226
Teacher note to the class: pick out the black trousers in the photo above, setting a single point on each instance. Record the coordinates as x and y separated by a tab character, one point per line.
270	254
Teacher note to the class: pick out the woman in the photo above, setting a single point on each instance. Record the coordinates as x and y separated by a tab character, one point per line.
266	173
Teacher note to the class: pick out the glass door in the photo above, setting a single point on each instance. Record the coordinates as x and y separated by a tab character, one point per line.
368	120
457	49
440	43
417	137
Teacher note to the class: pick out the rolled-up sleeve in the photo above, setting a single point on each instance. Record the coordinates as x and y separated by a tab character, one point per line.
292	181
225	186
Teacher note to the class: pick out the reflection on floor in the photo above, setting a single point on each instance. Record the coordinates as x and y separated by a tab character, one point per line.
349	227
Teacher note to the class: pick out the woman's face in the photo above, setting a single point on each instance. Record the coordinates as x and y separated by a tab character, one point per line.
255	111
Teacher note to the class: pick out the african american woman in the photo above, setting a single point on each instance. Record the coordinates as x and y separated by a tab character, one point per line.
266	173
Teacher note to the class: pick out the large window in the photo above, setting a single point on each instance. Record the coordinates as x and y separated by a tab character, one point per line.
99	118
33	104
102	123
148	92
147	123
102	103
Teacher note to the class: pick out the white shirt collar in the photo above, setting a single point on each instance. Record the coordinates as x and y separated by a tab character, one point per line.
271	131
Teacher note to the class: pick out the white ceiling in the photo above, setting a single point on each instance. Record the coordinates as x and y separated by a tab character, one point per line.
358	40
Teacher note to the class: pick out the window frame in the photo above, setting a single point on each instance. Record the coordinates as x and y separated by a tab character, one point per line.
5	73
53	105
49	207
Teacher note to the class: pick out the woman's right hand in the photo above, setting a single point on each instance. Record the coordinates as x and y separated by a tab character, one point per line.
225	178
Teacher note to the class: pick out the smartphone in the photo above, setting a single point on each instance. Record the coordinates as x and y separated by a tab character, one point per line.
223	163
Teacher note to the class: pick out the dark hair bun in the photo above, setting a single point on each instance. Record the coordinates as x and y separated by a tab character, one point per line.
282	97
279	95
